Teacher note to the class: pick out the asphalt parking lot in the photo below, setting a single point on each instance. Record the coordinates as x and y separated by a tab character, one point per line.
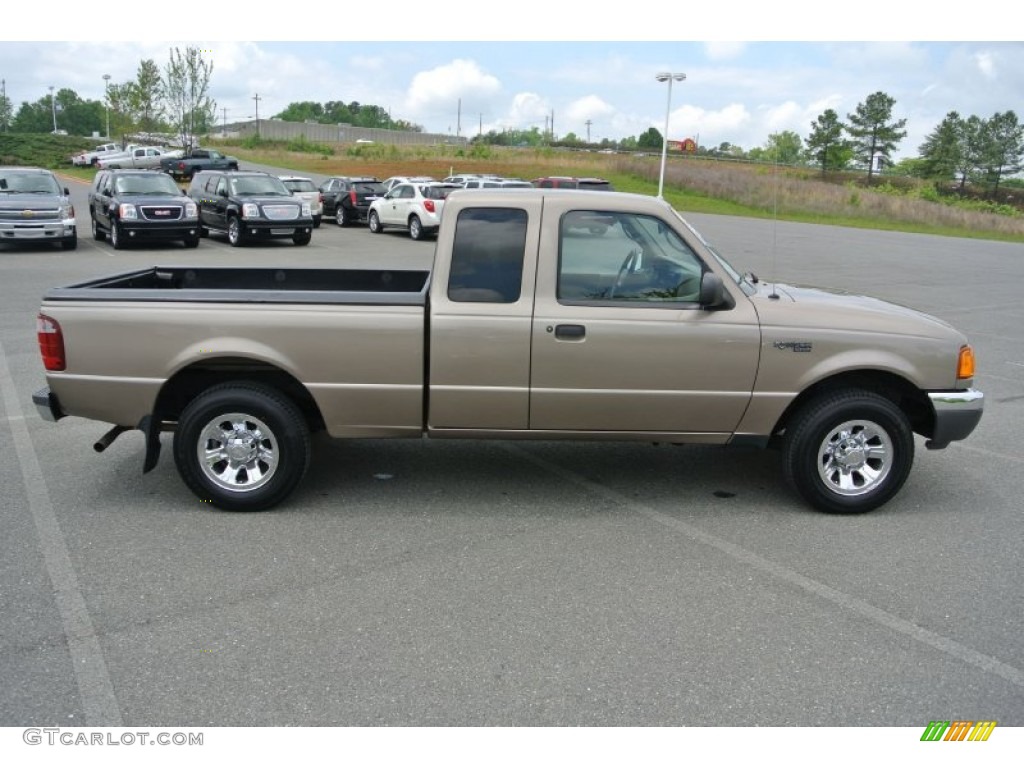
433	583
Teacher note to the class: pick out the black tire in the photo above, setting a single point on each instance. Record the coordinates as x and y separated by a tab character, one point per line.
203	231
341	217
192	242
302	239
97	233
416	228
265	426
69	243
848	451
373	221
116	236
316	221
236	237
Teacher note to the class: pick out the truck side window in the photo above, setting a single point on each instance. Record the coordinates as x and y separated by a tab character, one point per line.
609	256
487	256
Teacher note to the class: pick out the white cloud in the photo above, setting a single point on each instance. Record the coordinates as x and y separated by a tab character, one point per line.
438	90
588	108
527	109
986	64
688	121
722	50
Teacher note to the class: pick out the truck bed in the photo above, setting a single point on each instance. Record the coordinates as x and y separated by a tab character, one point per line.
254	285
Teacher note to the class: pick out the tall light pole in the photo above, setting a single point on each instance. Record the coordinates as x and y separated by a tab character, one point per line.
668	77
106	100
53	105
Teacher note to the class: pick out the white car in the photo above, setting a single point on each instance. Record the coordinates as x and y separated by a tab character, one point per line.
307	192
416	207
389	183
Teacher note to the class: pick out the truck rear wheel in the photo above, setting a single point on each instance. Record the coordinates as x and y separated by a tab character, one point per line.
235	235
242	447
848	451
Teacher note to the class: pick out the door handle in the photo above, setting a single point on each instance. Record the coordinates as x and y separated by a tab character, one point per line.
570	332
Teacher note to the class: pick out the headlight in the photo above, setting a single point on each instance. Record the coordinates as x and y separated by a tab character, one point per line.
306	211
67	211
127	211
191	211
250	211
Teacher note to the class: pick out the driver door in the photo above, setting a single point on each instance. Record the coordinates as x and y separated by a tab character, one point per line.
619	341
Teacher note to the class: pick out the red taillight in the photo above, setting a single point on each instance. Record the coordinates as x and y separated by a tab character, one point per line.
181	166
51	343
429	205
352	196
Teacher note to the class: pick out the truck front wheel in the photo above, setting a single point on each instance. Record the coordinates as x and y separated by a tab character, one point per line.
242	447
848	451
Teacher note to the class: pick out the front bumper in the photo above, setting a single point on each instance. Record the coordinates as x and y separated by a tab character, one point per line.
179	230
261	228
957	413
23	232
47	404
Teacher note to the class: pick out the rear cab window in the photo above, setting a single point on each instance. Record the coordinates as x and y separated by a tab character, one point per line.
487	255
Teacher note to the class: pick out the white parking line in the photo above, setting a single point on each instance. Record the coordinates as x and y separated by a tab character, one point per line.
842	600
95	689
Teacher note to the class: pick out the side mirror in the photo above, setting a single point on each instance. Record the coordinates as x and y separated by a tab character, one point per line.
67	193
712	292
222	192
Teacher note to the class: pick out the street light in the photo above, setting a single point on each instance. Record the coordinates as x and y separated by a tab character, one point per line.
106	100
662	77
53	104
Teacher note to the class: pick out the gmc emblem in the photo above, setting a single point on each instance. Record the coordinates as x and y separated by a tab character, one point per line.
162	212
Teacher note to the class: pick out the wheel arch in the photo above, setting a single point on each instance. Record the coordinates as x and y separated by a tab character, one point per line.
900	391
192	380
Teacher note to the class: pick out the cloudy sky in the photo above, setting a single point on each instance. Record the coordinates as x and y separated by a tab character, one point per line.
510	70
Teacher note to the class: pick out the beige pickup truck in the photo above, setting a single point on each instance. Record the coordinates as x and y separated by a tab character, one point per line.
549	314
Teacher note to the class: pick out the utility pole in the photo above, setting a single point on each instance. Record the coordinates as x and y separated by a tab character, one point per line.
106	100
480	130
552	125
53	105
3	101
256	98
588	124
458	121
224	123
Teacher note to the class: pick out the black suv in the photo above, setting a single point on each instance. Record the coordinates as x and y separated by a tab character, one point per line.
133	206
348	198
249	205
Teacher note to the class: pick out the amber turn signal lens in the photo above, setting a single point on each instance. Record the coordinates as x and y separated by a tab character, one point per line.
965	365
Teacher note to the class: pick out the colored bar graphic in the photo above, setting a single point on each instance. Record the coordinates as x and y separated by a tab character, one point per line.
958	730
935	730
982	730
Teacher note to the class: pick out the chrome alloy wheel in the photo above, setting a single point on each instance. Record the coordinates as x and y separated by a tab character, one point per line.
855	458
237	452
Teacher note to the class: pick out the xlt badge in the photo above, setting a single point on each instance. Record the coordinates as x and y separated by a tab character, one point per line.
796	346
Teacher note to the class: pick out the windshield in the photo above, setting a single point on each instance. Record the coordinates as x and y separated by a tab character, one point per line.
741	281
259	185
32	183
156	184
437	193
300	185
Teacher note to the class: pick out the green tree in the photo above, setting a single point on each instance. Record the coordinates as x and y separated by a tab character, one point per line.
785	148
1004	147
943	148
875	134
146	95
650	139
826	146
184	90
301	111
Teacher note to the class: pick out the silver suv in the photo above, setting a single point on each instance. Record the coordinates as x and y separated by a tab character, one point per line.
35	208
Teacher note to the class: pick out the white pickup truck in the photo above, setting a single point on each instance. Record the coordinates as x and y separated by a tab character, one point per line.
138	157
90	158
549	314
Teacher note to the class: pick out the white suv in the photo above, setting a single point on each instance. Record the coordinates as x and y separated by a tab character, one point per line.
307	192
416	207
